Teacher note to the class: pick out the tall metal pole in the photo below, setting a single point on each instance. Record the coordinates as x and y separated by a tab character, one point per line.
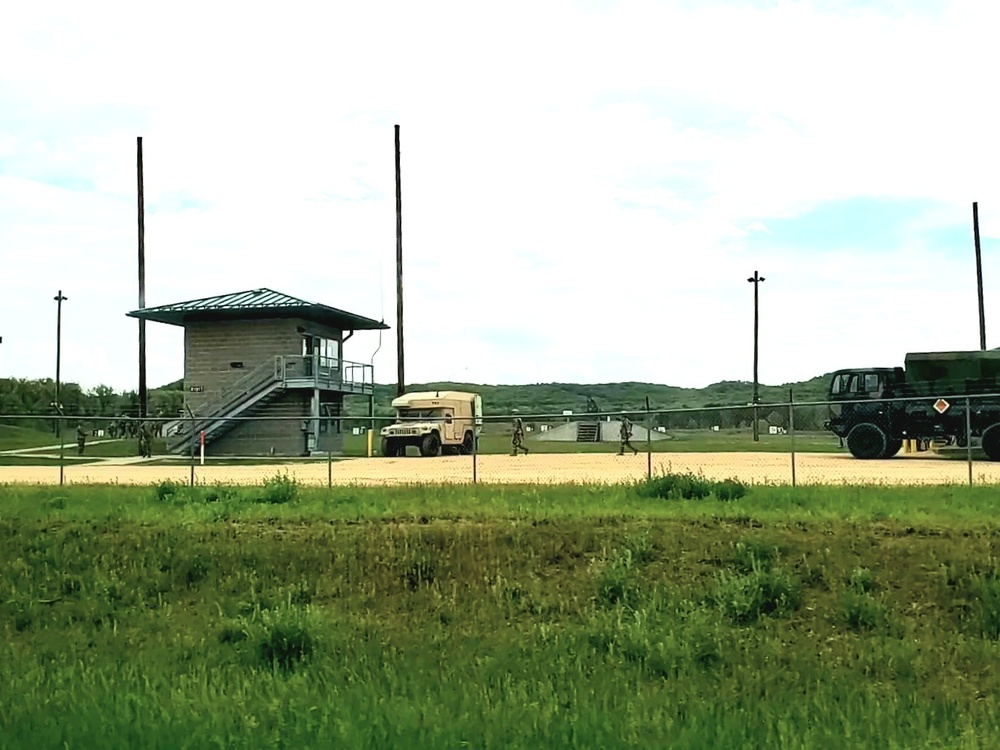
142	283
756	281
59	298
400	380
979	277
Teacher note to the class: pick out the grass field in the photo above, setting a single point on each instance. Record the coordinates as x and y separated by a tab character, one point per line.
13	437
493	616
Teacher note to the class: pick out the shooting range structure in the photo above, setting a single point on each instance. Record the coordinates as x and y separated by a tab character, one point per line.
264	373
596	431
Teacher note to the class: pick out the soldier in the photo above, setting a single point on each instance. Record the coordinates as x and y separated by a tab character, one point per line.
145	435
626	435
517	436
81	439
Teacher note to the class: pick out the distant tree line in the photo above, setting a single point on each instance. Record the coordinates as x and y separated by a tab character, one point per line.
37	397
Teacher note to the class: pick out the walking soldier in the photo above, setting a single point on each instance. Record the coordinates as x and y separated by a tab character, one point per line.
517	436
626	435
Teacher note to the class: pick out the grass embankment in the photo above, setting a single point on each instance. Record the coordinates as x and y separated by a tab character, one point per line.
13	437
499	617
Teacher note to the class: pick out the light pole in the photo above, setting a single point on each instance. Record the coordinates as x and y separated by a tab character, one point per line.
756	281
59	298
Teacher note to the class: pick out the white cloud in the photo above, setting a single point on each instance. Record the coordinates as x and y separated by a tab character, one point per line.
579	178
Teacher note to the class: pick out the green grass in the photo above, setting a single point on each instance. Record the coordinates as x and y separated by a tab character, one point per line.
13	437
110	448
499	616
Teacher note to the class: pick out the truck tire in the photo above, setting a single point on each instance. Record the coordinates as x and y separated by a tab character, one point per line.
867	440
468	444
892	448
430	445
991	442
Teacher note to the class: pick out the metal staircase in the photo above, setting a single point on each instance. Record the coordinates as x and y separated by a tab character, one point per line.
261	385
588	432
256	388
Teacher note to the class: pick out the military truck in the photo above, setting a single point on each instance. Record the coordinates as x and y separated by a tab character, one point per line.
931	388
434	422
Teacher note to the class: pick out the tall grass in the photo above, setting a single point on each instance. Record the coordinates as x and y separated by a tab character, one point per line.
496	617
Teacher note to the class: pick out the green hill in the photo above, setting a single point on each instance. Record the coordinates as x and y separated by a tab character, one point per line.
34	397
554	398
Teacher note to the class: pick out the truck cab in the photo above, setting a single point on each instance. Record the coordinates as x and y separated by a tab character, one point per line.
857	397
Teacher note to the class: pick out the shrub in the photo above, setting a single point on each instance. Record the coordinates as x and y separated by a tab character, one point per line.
278	639
746	598
986	590
420	569
729	489
754	555
861	581
670	486
285	644
862	611
194	571
615	585
279	490
167	490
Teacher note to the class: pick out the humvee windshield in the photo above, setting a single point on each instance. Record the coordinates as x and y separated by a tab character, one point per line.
413	415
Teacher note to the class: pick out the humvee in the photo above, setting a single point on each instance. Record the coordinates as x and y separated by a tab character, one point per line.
434	422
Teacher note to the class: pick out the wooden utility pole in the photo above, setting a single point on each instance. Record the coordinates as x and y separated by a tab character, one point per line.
756	281
979	277
59	298
400	380
142	283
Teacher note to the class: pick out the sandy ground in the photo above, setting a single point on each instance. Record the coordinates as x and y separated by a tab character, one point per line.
756	468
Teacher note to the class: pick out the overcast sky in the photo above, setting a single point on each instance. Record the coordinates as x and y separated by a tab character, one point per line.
586	185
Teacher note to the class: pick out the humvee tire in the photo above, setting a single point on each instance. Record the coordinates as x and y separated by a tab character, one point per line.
430	445
867	440
392	448
468	444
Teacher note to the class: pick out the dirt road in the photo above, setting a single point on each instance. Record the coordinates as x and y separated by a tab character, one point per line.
756	468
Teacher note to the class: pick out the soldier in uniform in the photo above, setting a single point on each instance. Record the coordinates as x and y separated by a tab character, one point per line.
626	435
145	434
517	436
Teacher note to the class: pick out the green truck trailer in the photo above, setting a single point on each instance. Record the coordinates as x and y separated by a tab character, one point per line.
930	395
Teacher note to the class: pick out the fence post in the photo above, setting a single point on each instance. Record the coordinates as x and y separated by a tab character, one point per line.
62	448
791	429
968	437
475	451
329	458
191	415
649	442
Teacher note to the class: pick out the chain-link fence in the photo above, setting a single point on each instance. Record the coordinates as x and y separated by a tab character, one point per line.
866	441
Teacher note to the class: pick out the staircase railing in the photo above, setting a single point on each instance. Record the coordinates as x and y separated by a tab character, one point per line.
232	396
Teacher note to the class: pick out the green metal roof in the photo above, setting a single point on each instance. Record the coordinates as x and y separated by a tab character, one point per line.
256	304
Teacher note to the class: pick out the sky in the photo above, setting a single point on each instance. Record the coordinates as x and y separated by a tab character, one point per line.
586	185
